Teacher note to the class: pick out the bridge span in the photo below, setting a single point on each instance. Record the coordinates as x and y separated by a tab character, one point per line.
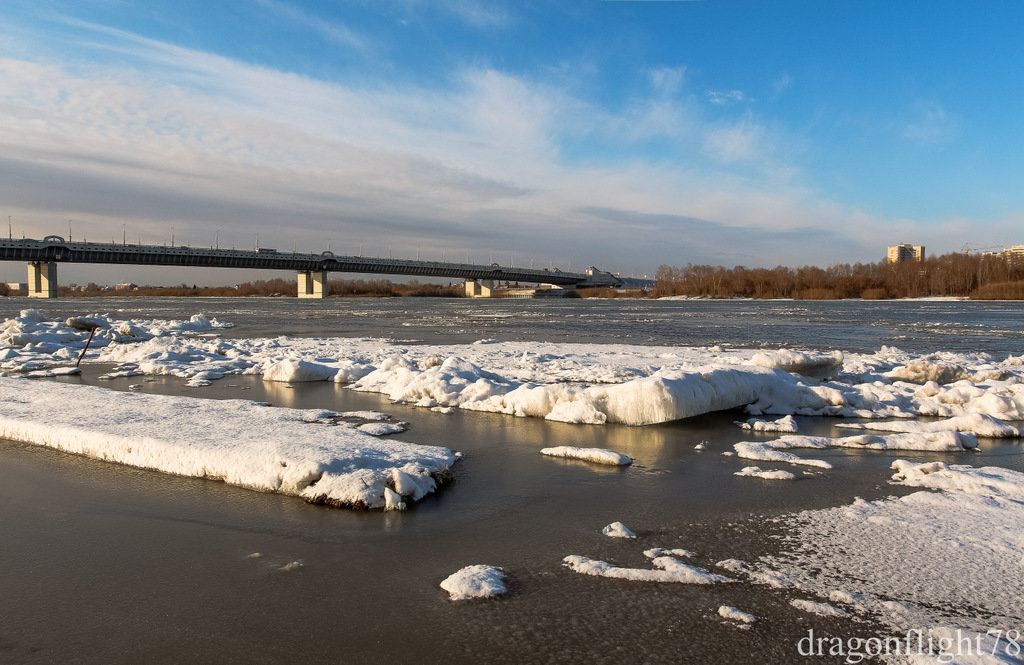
43	256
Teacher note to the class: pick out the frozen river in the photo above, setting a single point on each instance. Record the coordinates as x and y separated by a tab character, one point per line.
103	563
861	326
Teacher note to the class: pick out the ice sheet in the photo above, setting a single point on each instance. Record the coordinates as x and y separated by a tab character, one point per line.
578	383
241	442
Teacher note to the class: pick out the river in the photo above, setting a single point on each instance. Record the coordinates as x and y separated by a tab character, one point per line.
108	564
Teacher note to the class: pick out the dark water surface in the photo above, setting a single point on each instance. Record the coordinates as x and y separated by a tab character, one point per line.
101	563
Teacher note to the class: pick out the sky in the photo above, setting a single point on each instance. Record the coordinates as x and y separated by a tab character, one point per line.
621	134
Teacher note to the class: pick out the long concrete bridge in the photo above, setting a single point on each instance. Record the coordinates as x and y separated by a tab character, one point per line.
43	256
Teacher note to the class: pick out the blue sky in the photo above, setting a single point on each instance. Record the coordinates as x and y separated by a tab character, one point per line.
622	134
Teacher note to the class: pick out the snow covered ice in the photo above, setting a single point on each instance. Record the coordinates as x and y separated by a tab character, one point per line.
576	383
758	472
618	530
595	455
744	619
945	556
477	581
666	569
240	442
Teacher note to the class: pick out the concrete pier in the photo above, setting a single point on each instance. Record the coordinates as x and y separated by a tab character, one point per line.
479	289
42	279
312	284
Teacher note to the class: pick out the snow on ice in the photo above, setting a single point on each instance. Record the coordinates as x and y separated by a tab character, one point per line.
240	442
821	609
737	616
758	472
666	569
939	440
618	530
947	557
784	424
579	383
595	455
478	581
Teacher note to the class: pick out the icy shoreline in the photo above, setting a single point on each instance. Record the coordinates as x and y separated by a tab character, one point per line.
576	383
289	451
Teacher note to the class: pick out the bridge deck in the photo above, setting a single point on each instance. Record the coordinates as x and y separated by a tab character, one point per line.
55	249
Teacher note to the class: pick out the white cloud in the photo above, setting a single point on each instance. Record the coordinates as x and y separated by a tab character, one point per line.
332	31
932	125
781	84
478	13
742	141
202	143
667	80
727	97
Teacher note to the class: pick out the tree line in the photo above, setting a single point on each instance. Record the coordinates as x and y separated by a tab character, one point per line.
956	274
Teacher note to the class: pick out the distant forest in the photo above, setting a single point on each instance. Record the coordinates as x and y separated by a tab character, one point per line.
982	277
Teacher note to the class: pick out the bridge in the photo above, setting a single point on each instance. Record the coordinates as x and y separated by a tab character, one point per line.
43	256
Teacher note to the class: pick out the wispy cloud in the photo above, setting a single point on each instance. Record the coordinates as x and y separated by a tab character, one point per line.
479	13
782	84
933	125
199	141
330	30
727	97
667	80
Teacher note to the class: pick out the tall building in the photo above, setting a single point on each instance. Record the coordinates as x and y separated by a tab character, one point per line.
1014	255
905	252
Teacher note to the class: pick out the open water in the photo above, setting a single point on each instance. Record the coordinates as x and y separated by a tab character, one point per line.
101	563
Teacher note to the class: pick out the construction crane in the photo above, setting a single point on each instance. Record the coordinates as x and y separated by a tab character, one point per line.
968	249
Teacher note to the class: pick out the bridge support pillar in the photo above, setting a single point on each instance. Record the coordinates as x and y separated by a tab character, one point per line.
481	289
312	283
42	279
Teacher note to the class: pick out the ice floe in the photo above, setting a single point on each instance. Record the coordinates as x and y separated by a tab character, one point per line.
784	424
941	440
578	383
737	616
758	472
667	569
945	559
477	581
618	530
656	552
821	609
240	442
977	424
595	455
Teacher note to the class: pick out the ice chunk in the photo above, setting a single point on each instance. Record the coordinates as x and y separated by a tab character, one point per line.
977	424
667	569
656	552
808	363
733	614
986	481
757	472
595	455
236	441
784	424
618	530
478	581
294	371
766	452
382	429
923	371
821	609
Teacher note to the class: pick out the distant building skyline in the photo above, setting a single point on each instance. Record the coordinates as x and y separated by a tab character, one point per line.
905	252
